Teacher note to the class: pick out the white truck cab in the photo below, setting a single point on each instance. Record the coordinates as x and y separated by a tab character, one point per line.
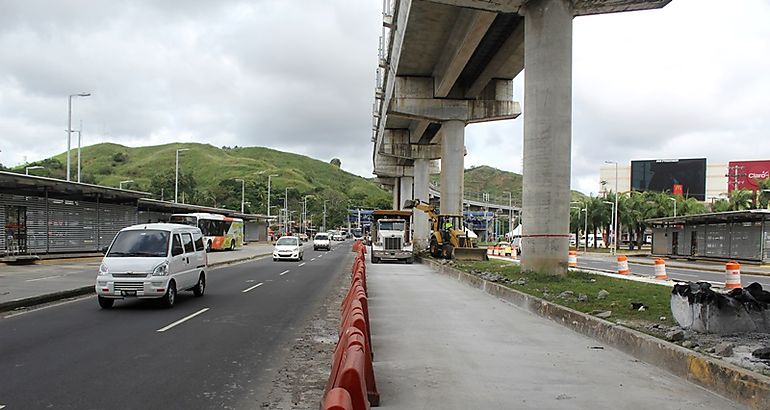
152	261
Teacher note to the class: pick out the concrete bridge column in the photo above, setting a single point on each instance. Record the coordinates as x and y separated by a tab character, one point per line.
421	222
396	191
547	134
452	166
405	189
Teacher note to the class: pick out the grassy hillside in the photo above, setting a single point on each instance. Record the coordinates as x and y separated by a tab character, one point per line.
497	183
208	176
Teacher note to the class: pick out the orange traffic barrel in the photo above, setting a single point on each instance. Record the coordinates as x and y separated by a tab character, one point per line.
660	269
623	265
732	275
572	259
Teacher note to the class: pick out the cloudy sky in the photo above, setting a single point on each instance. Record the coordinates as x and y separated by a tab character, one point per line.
690	80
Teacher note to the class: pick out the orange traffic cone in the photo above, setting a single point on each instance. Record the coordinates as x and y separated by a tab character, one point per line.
572	259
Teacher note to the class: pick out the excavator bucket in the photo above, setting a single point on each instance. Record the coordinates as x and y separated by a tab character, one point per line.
471	254
409	204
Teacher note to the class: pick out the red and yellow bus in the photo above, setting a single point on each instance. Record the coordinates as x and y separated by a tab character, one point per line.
219	232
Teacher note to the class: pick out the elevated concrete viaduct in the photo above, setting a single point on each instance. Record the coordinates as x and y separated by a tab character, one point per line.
447	63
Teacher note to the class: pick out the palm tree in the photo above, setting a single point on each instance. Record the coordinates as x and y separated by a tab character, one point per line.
598	215
764	193
740	199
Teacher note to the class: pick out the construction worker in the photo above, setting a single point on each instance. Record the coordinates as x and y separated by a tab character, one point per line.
447	227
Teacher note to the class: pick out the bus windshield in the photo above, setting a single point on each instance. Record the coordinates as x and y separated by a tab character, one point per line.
184	220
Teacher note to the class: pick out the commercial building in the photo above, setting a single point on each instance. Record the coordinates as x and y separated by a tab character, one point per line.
44	215
713	178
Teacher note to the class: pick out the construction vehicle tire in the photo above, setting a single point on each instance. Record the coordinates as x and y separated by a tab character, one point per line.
435	251
446	251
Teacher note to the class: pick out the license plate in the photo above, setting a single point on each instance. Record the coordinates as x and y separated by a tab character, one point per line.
128	293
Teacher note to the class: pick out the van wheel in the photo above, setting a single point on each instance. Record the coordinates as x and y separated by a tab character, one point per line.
232	245
201	286
170	297
105	303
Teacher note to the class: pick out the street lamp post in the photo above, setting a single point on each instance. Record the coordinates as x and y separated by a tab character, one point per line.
176	173
120	185
615	212
243	192
304	213
268	193
27	169
69	128
585	227
324	225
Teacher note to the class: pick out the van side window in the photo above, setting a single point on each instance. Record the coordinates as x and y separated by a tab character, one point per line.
188	243
176	246
198	242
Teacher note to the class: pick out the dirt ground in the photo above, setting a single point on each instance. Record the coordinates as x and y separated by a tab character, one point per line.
301	380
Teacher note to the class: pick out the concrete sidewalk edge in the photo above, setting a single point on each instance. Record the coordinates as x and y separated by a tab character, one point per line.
718	376
64	294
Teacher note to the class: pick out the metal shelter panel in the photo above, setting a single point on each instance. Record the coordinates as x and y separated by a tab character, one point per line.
766	253
113	218
72	225
35	222
718	241
746	240
660	241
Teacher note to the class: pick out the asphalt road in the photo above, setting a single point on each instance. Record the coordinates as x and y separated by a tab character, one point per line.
680	274
75	355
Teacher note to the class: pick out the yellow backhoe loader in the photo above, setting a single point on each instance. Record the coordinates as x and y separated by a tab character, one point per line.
448	239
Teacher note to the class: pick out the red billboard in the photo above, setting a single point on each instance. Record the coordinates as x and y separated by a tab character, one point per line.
745	174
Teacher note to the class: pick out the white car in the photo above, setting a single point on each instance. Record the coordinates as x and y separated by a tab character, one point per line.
288	247
321	241
338	236
152	261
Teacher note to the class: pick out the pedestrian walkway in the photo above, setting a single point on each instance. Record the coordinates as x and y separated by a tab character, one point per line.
439	344
52	279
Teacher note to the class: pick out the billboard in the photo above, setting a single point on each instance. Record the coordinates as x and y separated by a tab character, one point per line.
745	174
685	177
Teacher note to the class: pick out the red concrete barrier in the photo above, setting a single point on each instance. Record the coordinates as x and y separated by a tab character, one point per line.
351	377
337	399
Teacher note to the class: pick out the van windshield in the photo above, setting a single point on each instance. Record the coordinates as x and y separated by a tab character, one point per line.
144	243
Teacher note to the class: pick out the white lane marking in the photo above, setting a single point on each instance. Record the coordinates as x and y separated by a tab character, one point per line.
284	272
47	277
320	256
312	260
182	320
253	287
2	406
301	265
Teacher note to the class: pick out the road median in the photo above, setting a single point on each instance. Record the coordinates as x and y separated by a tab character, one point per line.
718	376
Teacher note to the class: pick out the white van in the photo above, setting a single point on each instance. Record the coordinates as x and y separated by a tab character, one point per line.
152	261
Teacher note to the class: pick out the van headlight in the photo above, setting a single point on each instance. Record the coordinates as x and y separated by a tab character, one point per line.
103	269
161	270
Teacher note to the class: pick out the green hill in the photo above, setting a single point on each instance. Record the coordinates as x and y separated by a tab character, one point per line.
497	183
207	176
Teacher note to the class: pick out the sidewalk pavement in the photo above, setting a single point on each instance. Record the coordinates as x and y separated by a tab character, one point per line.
53	279
439	344
708	266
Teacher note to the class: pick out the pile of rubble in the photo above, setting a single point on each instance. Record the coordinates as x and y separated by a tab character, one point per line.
698	307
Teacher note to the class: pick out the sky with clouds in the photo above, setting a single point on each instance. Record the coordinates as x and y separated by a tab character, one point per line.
689	80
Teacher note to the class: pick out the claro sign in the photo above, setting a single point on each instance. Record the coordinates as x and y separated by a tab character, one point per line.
744	174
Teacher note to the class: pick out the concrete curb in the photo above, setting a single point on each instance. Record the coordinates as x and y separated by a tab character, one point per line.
718	376
85	290
48	297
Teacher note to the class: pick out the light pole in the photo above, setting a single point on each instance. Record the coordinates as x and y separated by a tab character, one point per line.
615	212
268	193
176	172
674	199
510	215
26	169
304	213
69	128
120	185
243	192
324	225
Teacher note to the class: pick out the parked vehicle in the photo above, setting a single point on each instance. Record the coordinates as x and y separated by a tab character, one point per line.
391	235
504	248
321	241
516	244
152	261
288	247
338	236
303	237
220	232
